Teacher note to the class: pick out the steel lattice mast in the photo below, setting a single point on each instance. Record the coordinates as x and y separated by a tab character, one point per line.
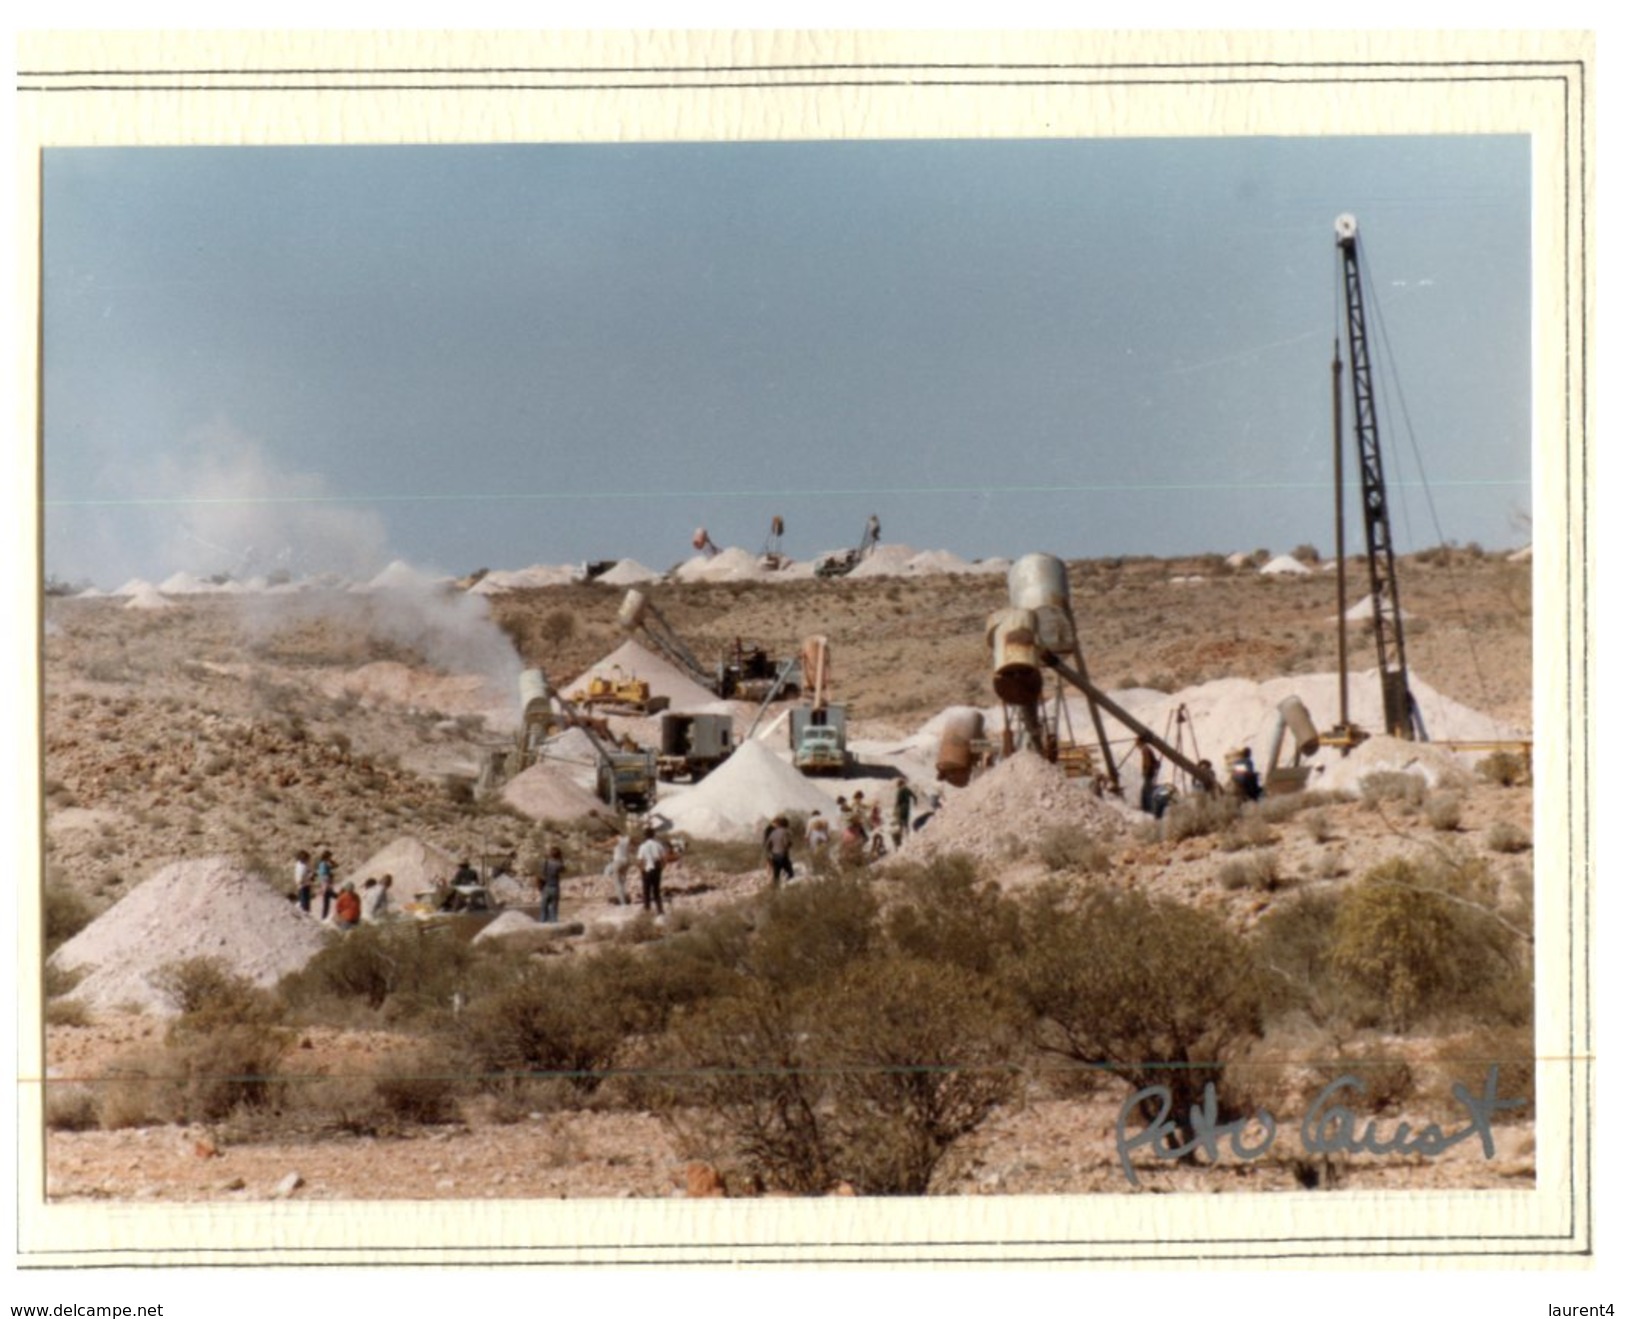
1385	612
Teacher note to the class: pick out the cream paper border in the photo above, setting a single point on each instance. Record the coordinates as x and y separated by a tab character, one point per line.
234	89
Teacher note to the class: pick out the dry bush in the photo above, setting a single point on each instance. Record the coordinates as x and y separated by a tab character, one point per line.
555	1020
1261	871
70	1108
1384	1082
1503	768
726	856
1072	847
948	914
1509	1049
1151	989
1414	937
208	992
869	1077
558	627
1318	825
1199	814
66	1012
421	1088
1444	812
1504	836
415	970
1251	829
809	932
1405	790
63	914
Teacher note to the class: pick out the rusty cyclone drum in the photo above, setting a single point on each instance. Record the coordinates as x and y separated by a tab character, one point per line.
1018	675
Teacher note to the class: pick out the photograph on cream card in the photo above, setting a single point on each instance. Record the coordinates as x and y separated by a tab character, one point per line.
808	666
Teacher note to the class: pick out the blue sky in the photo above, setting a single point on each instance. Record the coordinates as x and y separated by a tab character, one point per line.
323	358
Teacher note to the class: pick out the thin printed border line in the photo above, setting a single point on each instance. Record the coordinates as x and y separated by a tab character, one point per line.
1576	440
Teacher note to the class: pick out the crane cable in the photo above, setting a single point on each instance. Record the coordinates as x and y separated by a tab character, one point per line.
1427	489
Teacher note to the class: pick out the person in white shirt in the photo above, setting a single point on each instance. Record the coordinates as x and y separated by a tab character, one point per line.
651	859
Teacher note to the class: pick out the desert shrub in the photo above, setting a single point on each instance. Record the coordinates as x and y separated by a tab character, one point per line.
1072	847
1260	871
869	1078
809	932
948	914
1385	1081
66	1012
549	1022
726	856
207	992
1150	989
415	969
1250	829
421	1088
1198	814
214	1073
1306	554
558	627
1406	790
1504	836
224	1051
1318	825
1444	812
1412	937
1503	768
1278	809
1509	1049
63	914
1291	945
70	1108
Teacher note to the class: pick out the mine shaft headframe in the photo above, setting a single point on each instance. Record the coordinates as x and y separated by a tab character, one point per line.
1389	631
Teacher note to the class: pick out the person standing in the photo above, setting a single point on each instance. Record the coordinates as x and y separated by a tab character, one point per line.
817	833
651	860
902	812
552	874
619	858
302	888
1150	765
378	904
326	880
778	851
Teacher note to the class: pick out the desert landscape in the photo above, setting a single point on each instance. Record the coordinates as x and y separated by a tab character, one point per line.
992	1006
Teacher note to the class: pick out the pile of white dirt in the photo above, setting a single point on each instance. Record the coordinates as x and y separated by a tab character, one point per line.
629	572
749	788
1283	564
507	925
885	561
204	908
416	866
730	565
630	660
185	583
520	579
1240	559
1230	713
148	597
548	791
1013	804
1434	765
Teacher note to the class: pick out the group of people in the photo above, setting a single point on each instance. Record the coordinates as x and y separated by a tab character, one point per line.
341	904
653	855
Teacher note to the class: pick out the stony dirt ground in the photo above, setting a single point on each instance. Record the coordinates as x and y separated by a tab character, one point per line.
197	730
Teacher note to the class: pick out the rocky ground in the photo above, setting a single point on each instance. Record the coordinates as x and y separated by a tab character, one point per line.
215	728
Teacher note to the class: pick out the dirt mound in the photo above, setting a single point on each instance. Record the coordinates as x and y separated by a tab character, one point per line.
389	681
416	865
147	596
1018	798
548	792
751	786
1283	563
506	926
204	908
629	572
